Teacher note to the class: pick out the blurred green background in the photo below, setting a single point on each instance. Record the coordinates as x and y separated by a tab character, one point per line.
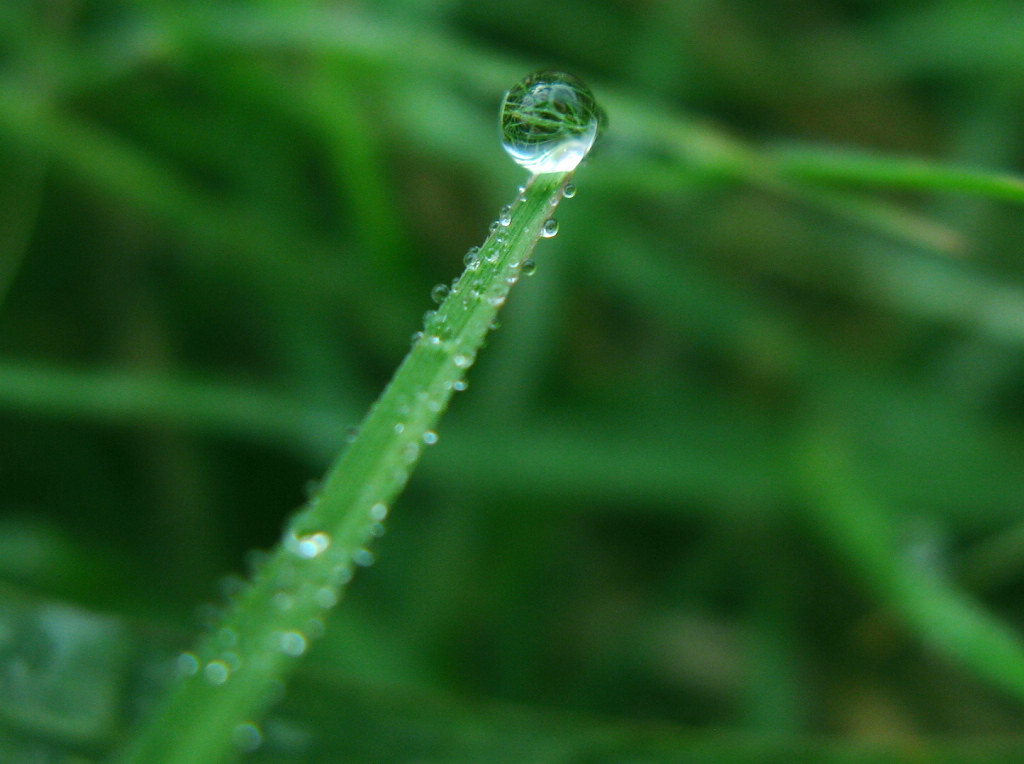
740	475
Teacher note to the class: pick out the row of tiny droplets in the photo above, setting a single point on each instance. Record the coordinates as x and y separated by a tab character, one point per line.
218	670
472	257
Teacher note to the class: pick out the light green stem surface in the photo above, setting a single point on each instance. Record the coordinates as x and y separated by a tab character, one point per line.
237	669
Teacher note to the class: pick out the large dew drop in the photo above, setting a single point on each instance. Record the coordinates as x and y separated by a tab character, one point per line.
549	121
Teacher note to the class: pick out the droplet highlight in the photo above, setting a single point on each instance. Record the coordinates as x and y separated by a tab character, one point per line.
550	228
308	546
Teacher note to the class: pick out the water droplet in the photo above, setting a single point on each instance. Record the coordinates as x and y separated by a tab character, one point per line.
569	191
430	438
247	737
232	659
529	267
505	215
410	451
187	664
209	614
462	361
291	643
416	337
549	121
314	628
550	228
472	257
325	597
309	546
363	557
231	586
217	672
342	574
399	428
438	293
227	636
379	511
459	385
494	226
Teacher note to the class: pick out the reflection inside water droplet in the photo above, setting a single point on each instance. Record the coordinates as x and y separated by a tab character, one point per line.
549	122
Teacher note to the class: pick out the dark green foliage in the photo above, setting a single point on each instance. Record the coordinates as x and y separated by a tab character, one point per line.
740	477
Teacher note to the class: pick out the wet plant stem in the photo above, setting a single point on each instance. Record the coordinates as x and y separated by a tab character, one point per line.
212	711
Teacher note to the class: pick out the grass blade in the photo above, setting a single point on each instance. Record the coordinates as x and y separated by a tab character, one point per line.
233	674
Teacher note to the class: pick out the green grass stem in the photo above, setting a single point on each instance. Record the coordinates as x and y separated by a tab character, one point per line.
863	531
237	668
